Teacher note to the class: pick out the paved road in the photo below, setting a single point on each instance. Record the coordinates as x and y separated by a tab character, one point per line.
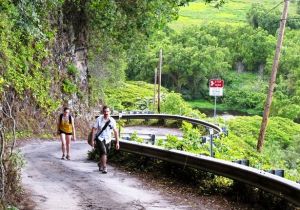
76	184
56	184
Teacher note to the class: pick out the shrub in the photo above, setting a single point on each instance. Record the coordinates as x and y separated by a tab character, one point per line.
173	103
69	87
72	70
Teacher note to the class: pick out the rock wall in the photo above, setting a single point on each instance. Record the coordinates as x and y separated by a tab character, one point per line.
70	47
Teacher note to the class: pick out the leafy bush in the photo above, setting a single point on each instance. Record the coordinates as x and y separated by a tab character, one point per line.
131	95
282	138
69	87
245	91
173	103
135	137
172	142
72	70
139	96
191	141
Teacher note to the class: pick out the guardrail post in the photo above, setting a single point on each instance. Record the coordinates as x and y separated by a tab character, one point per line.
211	132
225	131
153	139
244	162
278	172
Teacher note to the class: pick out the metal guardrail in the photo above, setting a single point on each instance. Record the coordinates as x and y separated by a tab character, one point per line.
271	183
168	116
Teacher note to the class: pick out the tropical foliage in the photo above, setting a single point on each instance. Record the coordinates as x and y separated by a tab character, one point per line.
281	139
40	41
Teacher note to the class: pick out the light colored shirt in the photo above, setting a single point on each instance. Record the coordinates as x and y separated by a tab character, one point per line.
106	134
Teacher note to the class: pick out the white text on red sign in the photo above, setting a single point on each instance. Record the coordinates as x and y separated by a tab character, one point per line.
216	83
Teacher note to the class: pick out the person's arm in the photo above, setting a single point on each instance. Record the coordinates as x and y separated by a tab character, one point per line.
117	138
94	130
74	131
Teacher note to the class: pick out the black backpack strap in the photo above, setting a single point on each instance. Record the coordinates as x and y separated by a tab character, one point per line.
61	116
104	127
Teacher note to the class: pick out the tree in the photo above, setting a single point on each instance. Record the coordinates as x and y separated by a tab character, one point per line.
259	16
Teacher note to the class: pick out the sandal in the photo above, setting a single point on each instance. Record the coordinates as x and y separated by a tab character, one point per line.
63	157
68	157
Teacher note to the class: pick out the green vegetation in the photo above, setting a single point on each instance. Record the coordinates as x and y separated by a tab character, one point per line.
139	96
241	55
280	149
209	105
68	87
233	12
72	70
43	42
193	57
281	137
174	104
132	96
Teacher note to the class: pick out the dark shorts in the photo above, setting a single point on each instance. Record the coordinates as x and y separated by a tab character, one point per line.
102	147
60	132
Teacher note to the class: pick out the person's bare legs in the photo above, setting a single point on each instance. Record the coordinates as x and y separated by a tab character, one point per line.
103	161
63	144
68	143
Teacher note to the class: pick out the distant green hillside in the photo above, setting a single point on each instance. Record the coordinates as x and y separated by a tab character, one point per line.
233	12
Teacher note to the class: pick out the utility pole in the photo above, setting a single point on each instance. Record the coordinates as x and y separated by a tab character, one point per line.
268	103
155	82
159	80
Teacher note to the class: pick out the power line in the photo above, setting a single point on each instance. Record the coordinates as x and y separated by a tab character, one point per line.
273	8
277	5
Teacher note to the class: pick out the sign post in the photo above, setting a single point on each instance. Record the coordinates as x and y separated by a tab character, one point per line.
211	133
216	89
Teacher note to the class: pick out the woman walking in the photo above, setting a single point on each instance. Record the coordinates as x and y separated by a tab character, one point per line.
66	130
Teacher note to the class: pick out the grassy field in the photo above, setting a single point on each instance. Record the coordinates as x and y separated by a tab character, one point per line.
233	12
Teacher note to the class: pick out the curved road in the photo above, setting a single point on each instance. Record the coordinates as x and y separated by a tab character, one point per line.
77	184
56	184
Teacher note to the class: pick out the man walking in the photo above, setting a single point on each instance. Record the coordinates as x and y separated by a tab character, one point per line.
101	134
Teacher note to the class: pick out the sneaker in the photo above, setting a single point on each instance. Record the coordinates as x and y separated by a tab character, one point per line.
104	171
68	157
63	157
100	167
